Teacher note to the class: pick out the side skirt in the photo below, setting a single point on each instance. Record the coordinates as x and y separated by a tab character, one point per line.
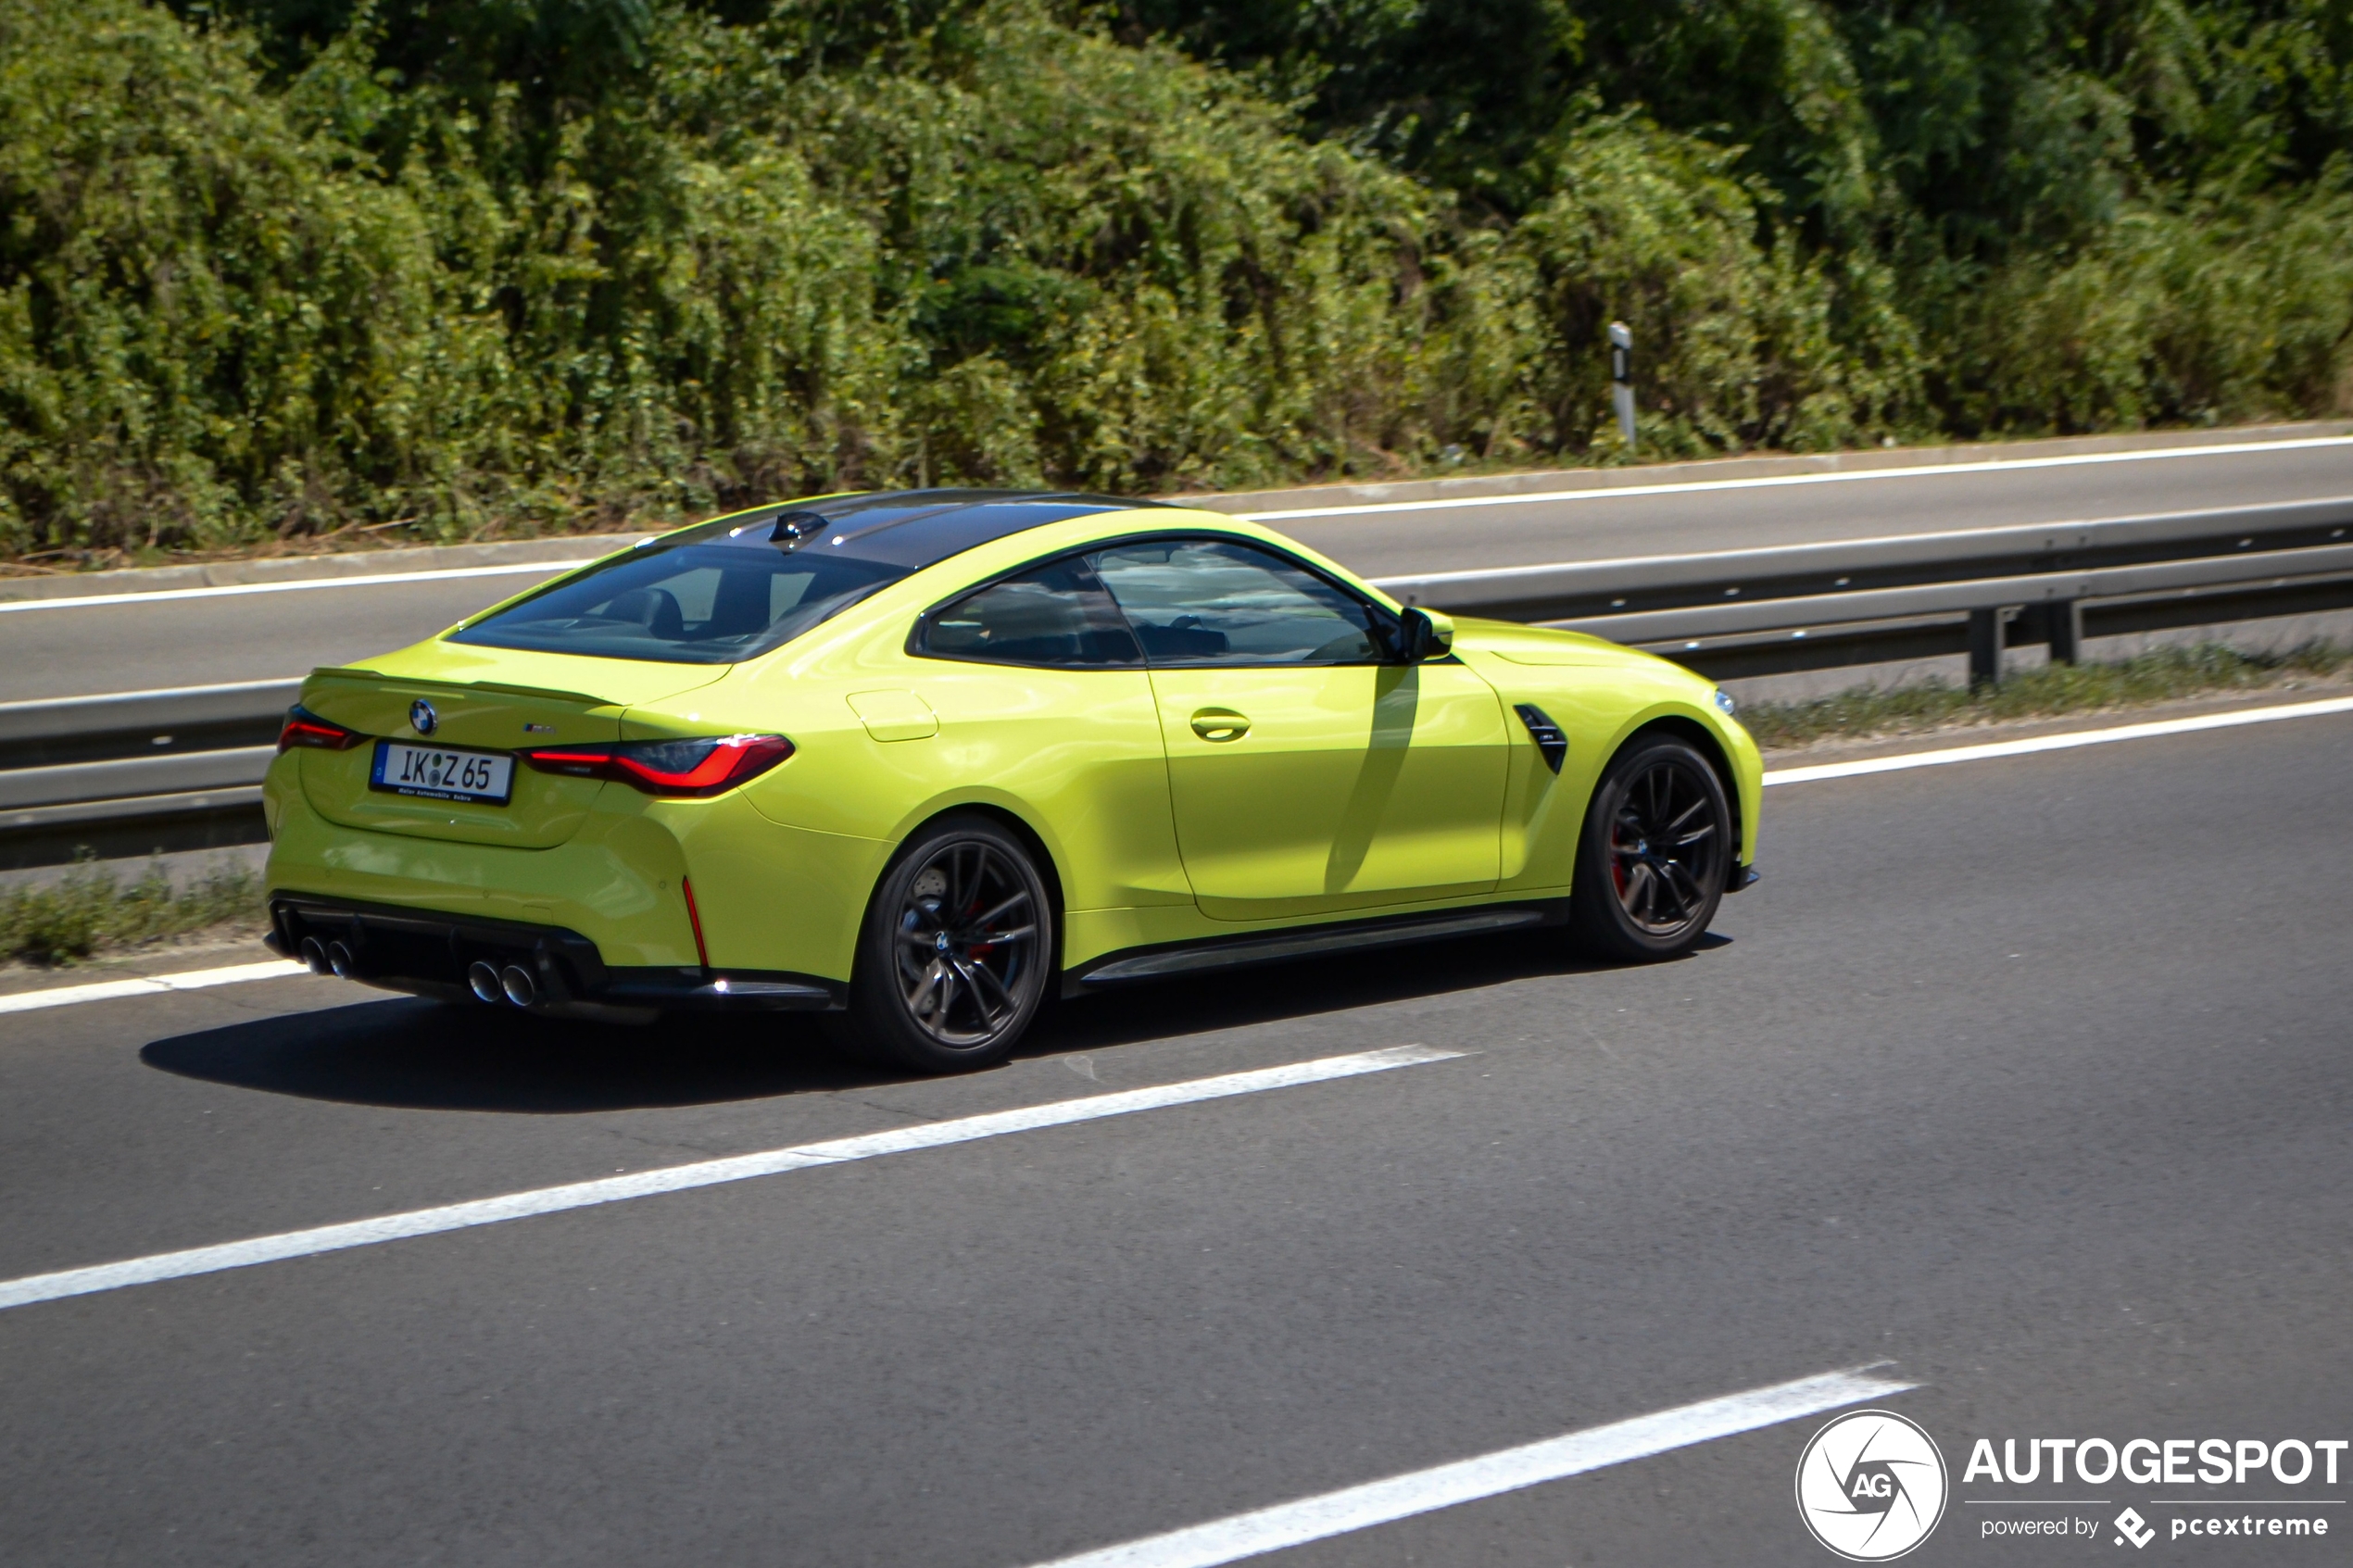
1300	942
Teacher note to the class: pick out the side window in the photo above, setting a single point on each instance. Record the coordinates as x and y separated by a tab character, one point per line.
1215	601
1052	614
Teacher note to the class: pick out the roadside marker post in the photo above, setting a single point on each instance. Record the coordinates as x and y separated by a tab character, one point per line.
1621	376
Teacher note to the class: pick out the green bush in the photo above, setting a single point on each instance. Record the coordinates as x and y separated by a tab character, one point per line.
2208	315
1739	333
439	270
213	328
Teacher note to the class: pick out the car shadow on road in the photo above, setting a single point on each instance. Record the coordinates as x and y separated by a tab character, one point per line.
1233	999
426	1056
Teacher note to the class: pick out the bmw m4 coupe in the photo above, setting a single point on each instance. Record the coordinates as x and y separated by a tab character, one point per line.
917	761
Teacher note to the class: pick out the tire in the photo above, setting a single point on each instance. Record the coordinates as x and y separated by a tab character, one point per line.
956	951
1656	851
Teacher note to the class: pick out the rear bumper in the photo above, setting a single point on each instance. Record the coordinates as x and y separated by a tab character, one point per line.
773	899
427	953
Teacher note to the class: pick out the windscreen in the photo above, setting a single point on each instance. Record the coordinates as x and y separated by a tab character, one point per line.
686	604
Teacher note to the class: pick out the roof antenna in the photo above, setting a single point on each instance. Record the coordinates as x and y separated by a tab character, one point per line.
795	528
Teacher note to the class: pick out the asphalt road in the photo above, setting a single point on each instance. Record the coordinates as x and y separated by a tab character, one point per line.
54	652
2027	1076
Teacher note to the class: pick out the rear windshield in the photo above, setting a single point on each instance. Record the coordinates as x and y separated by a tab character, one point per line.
686	604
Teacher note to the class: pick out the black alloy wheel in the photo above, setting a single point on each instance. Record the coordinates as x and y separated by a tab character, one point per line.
957	949
1656	852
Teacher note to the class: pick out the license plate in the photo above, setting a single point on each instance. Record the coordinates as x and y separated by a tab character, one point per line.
436	773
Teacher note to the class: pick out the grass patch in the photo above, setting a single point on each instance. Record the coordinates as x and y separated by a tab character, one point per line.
91	909
2061	689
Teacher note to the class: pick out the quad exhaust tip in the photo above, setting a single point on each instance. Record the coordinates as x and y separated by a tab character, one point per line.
512	984
485	980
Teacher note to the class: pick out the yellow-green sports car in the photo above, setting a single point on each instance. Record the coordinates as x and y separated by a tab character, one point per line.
919	760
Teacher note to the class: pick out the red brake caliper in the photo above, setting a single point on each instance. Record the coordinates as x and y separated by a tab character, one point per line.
978	947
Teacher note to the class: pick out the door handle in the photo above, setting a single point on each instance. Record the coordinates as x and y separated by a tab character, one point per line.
1220	724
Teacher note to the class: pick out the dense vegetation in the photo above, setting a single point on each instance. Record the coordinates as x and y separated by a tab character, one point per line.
279	268
89	909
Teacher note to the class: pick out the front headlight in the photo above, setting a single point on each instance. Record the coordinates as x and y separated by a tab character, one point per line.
1724	701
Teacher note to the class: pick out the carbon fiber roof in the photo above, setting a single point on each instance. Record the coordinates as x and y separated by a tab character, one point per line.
908	529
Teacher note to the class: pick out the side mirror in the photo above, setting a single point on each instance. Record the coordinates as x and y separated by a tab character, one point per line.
1428	633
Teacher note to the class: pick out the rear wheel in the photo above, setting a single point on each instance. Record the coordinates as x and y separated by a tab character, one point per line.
1656	848
953	961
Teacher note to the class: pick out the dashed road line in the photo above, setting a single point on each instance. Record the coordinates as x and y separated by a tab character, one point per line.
701	1173
1446	1485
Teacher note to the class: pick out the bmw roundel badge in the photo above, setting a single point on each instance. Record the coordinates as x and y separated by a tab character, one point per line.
421	718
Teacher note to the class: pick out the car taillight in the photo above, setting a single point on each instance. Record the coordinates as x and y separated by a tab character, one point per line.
669	767
306	728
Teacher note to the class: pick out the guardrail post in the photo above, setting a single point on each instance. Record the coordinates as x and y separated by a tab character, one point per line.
1985	638
2063	620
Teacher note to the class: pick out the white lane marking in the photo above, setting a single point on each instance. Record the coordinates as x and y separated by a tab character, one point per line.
704	1173
89	601
2067	742
1775	482
1444	1485
149	986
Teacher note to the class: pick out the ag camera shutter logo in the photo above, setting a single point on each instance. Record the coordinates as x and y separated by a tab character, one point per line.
1872	1486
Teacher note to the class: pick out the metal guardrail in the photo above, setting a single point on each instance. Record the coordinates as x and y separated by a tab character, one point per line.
143	769
1749	611
132	772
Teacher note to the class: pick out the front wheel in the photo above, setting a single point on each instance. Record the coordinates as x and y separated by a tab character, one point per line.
957	946
1656	848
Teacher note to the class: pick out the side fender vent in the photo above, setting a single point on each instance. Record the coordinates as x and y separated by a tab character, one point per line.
1549	739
